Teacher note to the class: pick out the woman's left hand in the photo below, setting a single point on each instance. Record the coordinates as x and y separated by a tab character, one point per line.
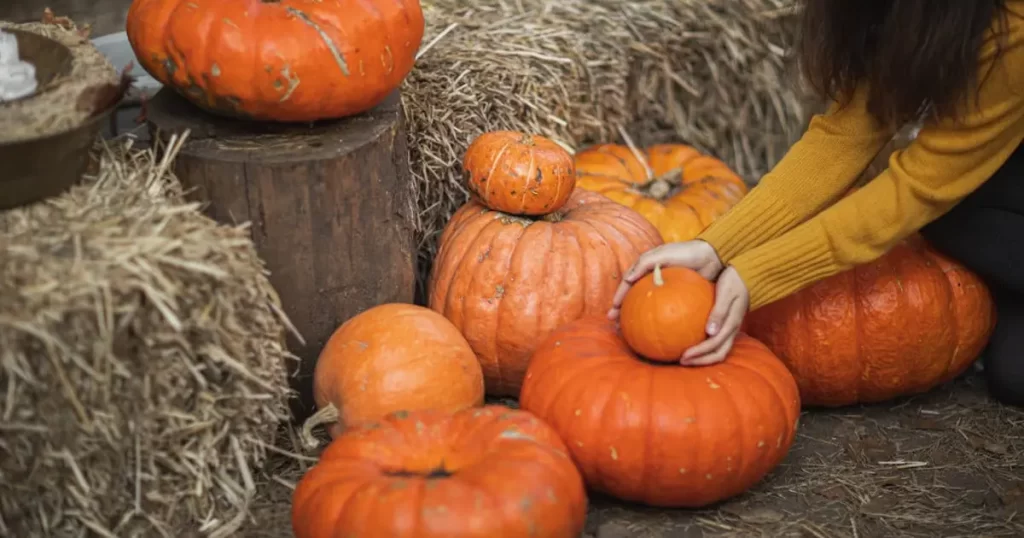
732	299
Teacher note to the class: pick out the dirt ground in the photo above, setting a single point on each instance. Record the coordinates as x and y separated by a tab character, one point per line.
946	464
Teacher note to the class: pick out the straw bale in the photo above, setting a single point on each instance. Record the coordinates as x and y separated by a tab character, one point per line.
66	101
712	73
142	367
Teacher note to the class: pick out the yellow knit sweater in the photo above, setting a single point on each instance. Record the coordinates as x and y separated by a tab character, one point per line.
793	228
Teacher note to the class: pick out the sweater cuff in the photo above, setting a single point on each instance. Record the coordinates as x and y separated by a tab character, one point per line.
785	265
759	217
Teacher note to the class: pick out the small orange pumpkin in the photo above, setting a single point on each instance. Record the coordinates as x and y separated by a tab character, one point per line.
665	313
278	60
674	186
518	173
393	357
479	473
662	434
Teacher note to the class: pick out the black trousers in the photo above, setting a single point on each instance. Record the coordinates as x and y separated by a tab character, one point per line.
985	232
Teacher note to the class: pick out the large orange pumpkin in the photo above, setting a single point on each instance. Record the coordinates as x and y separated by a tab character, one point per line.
393	357
662	434
507	281
480	473
519	173
901	325
282	60
678	189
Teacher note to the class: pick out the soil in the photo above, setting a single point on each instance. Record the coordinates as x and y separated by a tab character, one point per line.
946	464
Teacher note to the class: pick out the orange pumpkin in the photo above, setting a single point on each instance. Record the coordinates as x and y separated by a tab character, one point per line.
901	325
662	434
675	187
480	473
507	281
665	313
519	173
393	357
280	60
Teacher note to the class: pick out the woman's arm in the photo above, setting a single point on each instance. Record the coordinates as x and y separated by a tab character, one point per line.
944	164
821	166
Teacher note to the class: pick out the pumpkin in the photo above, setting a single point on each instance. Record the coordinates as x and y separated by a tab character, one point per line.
278	60
902	325
479	473
675	187
393	357
519	173
665	313
662	434
507	281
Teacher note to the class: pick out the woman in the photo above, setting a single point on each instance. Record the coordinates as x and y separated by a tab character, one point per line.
956	65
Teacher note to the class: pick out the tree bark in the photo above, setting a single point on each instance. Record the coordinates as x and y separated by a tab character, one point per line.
331	206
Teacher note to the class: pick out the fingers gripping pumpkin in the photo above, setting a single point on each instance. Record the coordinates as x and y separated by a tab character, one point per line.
662	434
480	473
280	60
901	325
508	281
674	186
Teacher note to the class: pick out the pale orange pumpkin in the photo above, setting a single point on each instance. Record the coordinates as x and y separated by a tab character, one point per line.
902	325
665	313
507	281
674	186
278	60
518	173
662	434
393	357
492	472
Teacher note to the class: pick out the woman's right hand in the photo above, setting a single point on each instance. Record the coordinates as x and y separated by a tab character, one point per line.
697	255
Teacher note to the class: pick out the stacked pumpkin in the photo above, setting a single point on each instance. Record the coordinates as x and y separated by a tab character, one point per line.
529	253
643	428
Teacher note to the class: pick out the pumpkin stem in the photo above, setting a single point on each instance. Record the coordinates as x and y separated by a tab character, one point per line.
326	415
658	279
526	140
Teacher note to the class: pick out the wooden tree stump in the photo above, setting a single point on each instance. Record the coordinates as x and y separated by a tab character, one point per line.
331	207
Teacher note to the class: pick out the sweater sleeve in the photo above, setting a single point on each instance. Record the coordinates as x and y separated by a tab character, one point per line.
946	162
837	146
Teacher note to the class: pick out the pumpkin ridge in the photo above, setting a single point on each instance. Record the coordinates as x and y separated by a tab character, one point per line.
648	429
954	320
336	54
499	309
601	479
758	373
457	266
730	486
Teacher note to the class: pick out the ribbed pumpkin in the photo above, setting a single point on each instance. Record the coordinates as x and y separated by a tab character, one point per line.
393	357
281	60
507	281
662	434
519	173
480	473
678	189
901	325
665	313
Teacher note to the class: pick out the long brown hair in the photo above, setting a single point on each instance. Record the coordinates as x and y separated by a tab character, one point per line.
916	56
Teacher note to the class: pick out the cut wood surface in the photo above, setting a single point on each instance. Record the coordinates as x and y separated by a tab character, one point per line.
331	207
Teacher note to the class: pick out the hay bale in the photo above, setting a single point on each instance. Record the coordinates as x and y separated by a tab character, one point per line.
709	72
142	365
68	100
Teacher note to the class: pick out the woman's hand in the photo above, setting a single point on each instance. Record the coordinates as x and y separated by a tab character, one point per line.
732	299
731	296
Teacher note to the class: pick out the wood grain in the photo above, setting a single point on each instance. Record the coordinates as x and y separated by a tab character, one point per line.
330	204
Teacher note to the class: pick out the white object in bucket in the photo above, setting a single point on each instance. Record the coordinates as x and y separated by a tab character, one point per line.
17	78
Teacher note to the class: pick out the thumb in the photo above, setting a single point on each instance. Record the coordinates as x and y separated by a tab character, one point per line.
724	298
